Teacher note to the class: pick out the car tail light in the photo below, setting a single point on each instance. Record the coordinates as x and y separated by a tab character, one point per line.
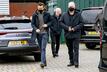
3	33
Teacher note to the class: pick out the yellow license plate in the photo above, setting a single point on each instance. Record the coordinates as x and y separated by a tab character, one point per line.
16	43
93	33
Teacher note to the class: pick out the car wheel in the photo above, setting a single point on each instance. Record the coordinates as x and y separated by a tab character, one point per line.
37	56
90	45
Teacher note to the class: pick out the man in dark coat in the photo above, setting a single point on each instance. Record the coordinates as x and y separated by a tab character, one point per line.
55	32
71	22
41	21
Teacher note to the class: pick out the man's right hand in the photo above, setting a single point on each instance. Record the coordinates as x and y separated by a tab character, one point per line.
69	29
45	25
38	30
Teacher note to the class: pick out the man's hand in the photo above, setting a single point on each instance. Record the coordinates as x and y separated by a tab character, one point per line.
45	25
69	29
38	30
73	29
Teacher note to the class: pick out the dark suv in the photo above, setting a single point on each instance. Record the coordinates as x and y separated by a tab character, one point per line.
103	41
90	32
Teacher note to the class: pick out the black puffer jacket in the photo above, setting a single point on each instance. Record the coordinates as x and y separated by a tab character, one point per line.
55	26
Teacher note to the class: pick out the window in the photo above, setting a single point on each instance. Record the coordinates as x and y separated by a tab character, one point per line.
89	16
4	7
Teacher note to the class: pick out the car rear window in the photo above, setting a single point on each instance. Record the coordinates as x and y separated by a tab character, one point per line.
89	16
15	24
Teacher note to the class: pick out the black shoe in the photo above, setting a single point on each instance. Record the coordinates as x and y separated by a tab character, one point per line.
70	64
56	55
76	66
45	63
42	65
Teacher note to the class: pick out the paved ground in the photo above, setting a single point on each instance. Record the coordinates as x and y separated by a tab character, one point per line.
89	60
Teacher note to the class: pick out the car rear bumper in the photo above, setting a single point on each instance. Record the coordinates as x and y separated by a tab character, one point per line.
34	48
90	39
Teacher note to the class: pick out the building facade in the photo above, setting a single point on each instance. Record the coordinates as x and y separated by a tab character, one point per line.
80	4
18	7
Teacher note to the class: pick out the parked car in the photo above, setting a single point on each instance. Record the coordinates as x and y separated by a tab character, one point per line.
91	30
15	37
103	41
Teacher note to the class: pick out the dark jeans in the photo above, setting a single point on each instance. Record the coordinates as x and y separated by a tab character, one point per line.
73	50
55	43
42	41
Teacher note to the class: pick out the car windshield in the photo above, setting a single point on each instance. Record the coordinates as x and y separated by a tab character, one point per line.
89	16
15	24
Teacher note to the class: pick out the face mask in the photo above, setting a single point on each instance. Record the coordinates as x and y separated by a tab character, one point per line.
40	11
71	9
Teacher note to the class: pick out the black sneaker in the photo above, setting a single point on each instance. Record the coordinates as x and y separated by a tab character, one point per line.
45	63
42	65
71	64
76	66
56	55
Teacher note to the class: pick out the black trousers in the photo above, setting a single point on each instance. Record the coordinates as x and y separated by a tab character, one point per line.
73	50
55	43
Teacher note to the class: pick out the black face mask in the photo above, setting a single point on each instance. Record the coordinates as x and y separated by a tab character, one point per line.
41	11
71	9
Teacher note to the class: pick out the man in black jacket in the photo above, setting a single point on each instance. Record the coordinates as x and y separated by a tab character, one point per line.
71	22
41	21
55	32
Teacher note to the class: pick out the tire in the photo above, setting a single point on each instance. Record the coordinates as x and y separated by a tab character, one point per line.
90	45
37	56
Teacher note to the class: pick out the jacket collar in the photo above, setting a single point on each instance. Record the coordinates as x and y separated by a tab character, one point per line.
44	13
56	16
76	11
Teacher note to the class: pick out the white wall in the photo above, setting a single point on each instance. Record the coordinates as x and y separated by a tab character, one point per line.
4	7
